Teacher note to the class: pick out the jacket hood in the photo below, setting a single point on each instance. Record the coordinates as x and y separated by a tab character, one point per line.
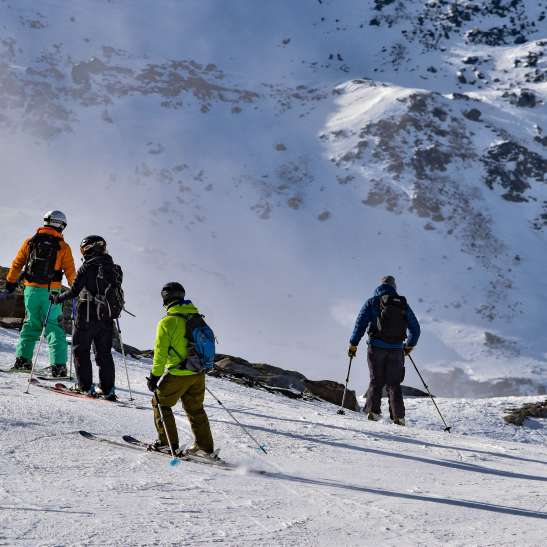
185	306
384	289
51	231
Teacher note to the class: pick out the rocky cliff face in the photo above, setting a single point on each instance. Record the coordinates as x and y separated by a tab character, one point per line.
279	159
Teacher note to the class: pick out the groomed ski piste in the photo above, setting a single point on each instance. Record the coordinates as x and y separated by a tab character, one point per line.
327	479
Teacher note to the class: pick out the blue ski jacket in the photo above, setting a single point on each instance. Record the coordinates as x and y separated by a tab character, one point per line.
369	314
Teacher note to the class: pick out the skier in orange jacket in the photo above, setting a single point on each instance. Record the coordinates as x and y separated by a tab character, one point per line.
40	263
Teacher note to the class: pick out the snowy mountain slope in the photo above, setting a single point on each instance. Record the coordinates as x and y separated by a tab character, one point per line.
327	479
278	159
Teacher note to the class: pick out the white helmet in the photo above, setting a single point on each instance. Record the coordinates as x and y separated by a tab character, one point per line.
55	219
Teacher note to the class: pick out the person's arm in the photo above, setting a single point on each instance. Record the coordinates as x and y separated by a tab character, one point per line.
361	324
18	263
161	349
413	328
77	285
67	265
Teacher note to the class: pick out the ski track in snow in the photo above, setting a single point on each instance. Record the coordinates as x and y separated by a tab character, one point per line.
329	479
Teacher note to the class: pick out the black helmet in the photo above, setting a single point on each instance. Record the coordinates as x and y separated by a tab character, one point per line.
172	292
92	245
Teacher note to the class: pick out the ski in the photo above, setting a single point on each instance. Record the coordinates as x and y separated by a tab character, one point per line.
141	445
135	444
105	440
52	378
62	389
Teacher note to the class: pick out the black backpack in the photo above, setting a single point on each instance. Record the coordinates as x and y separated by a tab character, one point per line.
392	321
109	297
40	265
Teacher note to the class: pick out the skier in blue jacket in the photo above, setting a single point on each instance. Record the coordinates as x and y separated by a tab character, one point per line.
393	332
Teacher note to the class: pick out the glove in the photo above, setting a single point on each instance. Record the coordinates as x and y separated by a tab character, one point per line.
408	349
54	297
352	351
10	287
152	382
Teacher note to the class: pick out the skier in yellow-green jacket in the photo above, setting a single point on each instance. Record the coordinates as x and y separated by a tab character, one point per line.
171	380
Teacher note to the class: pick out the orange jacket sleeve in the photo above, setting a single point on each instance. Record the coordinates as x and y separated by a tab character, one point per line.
18	263
68	265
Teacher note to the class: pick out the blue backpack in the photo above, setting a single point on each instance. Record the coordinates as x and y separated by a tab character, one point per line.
201	343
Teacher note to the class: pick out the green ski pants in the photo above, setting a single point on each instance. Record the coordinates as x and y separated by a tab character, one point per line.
191	390
36	306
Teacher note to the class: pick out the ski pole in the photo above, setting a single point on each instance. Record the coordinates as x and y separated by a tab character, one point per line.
72	340
447	428
162	420
341	409
124	359
39	346
260	446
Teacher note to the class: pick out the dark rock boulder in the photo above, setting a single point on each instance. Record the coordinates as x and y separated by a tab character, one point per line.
470	60
474	114
525	98
332	392
12	307
517	416
263	373
277	380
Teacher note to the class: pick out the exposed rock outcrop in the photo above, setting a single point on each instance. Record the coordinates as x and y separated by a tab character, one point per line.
517	416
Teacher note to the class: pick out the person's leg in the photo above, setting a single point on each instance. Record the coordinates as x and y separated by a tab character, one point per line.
376	367
83	336
102	345
395	373
193	405
32	326
55	334
170	389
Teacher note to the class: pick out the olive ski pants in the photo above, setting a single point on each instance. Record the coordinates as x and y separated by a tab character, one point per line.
191	390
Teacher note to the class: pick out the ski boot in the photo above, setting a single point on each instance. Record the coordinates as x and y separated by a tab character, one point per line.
21	365
195	450
79	389
158	446
58	371
399	421
373	417
109	395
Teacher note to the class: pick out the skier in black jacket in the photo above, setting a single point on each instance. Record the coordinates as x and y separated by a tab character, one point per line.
94	317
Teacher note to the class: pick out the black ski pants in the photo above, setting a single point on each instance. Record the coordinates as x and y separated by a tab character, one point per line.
100	334
387	368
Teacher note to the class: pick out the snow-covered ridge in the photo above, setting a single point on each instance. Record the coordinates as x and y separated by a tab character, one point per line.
279	159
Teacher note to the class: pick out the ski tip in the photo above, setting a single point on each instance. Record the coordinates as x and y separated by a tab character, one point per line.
85	433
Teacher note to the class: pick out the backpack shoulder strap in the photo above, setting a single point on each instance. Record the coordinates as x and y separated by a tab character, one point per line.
183	315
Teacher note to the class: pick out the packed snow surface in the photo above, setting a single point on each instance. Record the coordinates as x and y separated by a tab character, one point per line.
327	479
